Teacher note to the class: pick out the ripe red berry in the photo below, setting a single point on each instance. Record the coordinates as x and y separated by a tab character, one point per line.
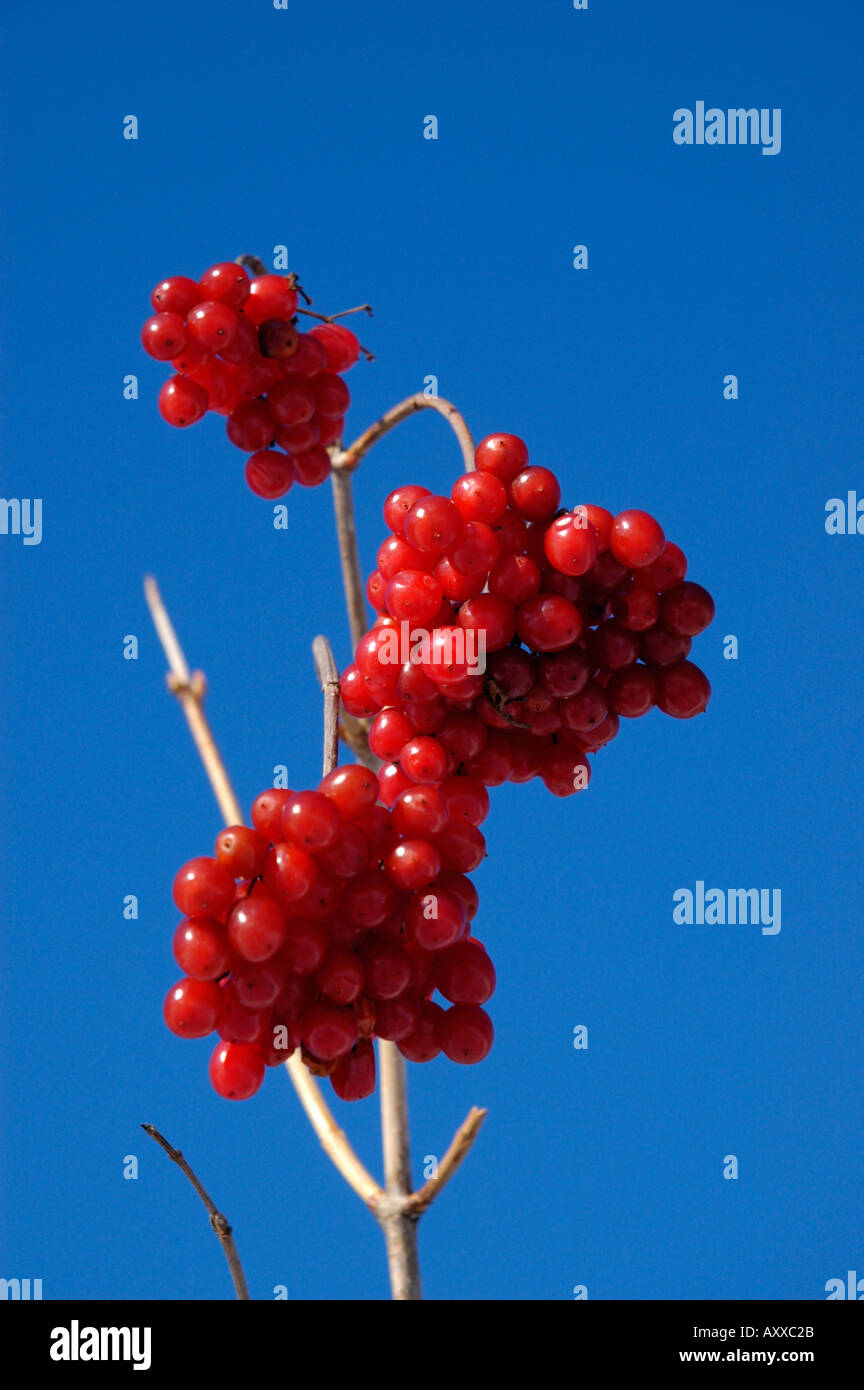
328	1030
464	974
415	596
687	609
505	455
571	543
353	1077
515	578
251	426
256	928
193	1008
270	297
340	977
548	622
225	283
200	948
164	337
242	851
465	1033
310	820
202	888
536	494
433	524
636	538
312	467
662	648
667	570
479	497
386	966
632	691
267	811
413	865
353	790
212	325
339	343
236	1070
435	918
182	402
289	873
423	759
269	474
490	616
683	690
637	608
176	295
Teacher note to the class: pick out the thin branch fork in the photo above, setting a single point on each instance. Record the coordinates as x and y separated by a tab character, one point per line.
219	1222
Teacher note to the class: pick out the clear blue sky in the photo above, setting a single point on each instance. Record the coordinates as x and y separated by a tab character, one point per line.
260	127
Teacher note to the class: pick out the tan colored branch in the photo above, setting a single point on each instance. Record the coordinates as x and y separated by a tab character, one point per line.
219	1222
349	458
461	1143
333	1139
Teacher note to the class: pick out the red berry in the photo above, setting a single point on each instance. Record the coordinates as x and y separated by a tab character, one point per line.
236	1070
332	397
396	1019
548	623
415	596
515	578
182	402
202	888
465	1033
269	474
251	426
464	974
422	1045
193	1008
328	1030
399	504
340	977
419	811
290	402
682	690
413	865
476	549
256	928
636	538
305	947
312	467
536	494
386	966
433	525
423	759
164	337
505	455
310	820
270	297
637	609
267	811
258	985
667	570
212	325
390	730
479	497
176	295
225	283
687	609
353	1077
491	616
369	899
339	343
461	846
290	873
435	918
201	948
242	851
632	691
662	648
571	543
465	798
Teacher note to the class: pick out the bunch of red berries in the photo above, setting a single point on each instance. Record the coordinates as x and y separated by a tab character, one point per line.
513	636
236	350
330	921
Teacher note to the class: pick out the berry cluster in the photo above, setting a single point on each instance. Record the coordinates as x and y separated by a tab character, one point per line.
512	636
236	350
330	921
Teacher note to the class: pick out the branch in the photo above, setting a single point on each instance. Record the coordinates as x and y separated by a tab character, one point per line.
190	692
328	676
333	1139
217	1220
349	458
346	531
461	1143
394	1216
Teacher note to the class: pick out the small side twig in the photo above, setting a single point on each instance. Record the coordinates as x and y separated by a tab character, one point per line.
349	458
461	1143
218	1221
328	677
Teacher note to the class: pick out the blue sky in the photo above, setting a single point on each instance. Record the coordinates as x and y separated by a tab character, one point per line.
602	1167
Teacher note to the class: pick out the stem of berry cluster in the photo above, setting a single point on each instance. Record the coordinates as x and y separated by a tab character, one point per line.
349	458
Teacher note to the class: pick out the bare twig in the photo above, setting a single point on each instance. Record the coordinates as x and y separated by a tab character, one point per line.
190	692
334	1140
349	458
328	676
461	1143
395	1218
346	531
219	1222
